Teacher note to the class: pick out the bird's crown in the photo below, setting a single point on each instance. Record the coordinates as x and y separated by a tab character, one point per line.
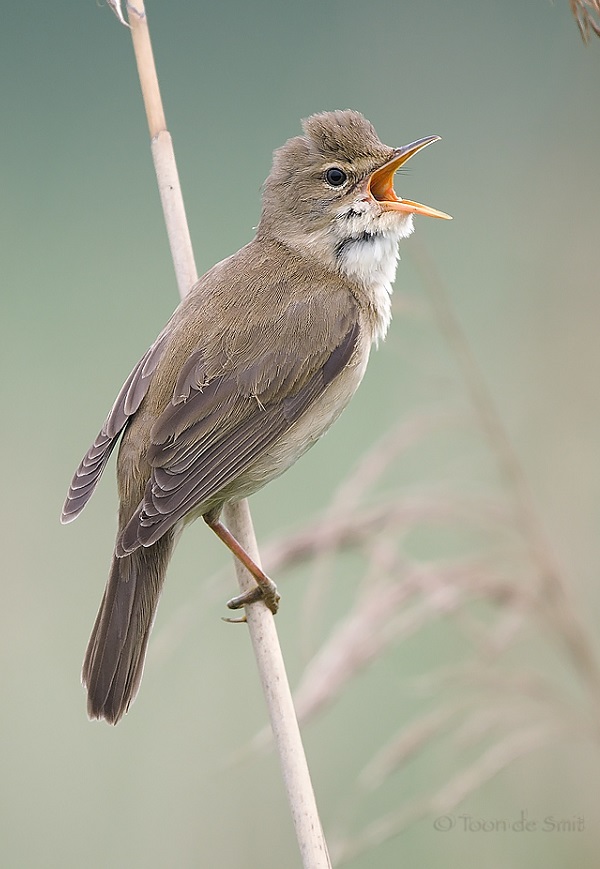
328	137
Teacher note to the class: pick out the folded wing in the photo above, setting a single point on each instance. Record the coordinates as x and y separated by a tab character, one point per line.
204	442
128	401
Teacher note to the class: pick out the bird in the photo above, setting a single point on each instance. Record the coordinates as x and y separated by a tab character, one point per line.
253	367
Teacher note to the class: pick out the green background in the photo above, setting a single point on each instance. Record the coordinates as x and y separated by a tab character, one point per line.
87	284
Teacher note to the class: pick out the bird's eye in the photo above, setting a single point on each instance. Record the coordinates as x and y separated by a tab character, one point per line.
336	177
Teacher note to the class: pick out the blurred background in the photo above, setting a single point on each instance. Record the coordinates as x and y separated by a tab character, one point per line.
87	285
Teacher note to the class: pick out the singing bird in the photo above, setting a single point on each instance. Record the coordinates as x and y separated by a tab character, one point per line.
255	364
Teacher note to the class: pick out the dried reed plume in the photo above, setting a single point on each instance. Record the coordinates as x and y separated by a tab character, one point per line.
587	16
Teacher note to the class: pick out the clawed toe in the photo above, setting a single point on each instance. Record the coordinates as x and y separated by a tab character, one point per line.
266	592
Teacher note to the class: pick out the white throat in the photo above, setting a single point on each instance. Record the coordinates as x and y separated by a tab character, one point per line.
367	252
361	243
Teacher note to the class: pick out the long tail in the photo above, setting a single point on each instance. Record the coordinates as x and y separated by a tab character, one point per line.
114	660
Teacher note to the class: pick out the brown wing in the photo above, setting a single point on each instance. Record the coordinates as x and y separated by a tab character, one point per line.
211	432
128	401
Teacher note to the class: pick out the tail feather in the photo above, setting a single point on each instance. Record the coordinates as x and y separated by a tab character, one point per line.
114	660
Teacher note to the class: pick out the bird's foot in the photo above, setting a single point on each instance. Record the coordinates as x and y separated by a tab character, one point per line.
265	590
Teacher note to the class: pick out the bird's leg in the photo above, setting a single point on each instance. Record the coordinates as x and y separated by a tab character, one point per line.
265	589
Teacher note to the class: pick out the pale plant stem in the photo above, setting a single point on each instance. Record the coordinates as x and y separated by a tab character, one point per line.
261	625
163	155
284	723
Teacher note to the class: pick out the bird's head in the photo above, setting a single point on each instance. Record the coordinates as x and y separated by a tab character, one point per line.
333	186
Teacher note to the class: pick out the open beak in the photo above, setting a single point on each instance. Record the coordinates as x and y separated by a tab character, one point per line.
381	182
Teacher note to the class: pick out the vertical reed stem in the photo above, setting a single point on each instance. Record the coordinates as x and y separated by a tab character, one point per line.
265	642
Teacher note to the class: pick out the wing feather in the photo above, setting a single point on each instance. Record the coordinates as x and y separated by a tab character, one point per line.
127	402
191	466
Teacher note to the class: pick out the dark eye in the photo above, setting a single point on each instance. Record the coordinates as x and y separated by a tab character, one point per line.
336	177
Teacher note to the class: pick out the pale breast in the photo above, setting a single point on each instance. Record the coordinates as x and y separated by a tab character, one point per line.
307	430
